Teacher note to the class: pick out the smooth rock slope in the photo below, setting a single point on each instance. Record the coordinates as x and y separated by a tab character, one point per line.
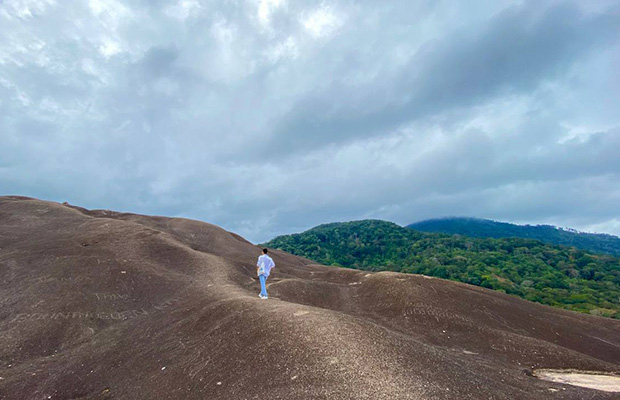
105	305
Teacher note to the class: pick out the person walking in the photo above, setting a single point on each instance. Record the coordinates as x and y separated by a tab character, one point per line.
263	267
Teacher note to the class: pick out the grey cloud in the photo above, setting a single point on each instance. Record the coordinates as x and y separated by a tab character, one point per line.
516	51
404	111
159	61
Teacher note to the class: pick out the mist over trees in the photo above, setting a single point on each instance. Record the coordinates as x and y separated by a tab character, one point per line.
484	228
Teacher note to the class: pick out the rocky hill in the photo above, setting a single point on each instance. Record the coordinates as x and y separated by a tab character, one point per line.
101	305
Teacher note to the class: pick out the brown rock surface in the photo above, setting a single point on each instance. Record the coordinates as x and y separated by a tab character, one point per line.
106	305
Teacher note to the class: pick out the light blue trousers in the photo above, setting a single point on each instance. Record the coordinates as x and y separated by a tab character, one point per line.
263	288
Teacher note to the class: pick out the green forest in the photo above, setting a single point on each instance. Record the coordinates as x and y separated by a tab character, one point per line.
484	228
558	276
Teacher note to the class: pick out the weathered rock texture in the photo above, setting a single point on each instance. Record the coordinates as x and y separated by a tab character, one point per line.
99	304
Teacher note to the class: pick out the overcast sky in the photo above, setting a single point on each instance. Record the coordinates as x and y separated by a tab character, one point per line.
269	117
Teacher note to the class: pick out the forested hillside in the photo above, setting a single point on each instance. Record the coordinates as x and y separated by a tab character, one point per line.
484	228
554	275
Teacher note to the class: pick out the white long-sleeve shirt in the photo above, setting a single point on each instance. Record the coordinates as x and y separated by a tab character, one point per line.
267	264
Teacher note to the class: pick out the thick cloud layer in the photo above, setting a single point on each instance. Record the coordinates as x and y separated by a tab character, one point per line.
271	116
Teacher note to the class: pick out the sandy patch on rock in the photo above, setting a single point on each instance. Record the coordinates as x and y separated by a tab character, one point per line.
588	379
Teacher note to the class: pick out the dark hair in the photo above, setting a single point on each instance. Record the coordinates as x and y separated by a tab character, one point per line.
264	251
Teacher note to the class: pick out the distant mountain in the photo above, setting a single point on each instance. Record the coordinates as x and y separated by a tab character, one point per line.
484	228
554	275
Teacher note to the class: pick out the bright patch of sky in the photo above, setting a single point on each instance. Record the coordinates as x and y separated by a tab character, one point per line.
322	22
